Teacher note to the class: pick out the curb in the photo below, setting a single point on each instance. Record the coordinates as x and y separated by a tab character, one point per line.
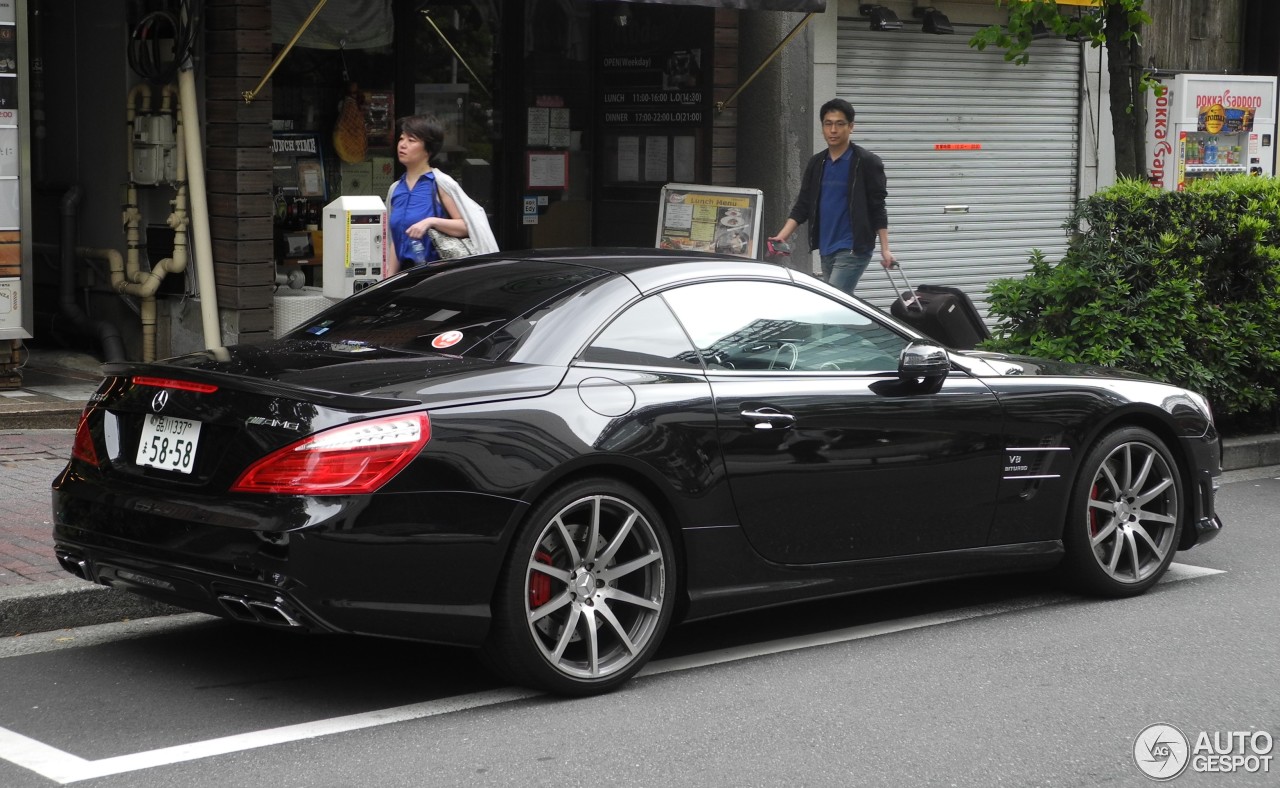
63	604
53	418
1251	452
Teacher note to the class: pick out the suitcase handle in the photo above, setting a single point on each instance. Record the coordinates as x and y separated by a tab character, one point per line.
909	295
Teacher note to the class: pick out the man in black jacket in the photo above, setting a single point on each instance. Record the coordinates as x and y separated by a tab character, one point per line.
842	198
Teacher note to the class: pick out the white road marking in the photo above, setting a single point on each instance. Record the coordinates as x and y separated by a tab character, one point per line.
1175	573
64	768
707	658
1188	572
61	767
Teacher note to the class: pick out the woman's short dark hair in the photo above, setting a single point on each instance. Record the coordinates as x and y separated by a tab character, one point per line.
425	128
836	105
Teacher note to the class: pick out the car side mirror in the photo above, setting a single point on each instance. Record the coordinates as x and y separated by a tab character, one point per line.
923	360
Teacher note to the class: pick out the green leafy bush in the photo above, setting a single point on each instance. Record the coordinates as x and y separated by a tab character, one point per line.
1183	286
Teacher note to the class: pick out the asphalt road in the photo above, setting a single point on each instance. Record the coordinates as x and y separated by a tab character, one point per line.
1003	682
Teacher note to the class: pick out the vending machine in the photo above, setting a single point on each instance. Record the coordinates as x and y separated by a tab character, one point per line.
355	244
1205	125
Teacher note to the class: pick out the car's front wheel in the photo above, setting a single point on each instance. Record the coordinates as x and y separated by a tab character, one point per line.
1125	516
587	592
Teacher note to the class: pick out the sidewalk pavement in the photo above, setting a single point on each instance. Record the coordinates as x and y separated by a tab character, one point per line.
37	427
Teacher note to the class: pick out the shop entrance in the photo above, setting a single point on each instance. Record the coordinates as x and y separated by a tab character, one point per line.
616	103
563	119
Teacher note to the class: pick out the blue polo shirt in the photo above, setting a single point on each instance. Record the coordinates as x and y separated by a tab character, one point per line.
835	228
410	206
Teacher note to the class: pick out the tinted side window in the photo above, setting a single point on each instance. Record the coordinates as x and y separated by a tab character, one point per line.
776	326
646	334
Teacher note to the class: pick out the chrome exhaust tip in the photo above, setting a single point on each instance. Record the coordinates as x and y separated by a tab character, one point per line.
237	608
274	614
75	565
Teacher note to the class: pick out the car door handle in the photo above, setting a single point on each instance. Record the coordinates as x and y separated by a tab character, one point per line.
767	418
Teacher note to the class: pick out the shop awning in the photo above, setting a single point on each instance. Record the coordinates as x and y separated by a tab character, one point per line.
803	6
364	25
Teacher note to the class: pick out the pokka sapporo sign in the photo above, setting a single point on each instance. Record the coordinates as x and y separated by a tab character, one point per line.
1230	107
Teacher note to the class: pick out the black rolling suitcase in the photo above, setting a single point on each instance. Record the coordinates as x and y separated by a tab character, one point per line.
944	314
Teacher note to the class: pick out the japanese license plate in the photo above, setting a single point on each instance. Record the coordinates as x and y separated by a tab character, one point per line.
168	443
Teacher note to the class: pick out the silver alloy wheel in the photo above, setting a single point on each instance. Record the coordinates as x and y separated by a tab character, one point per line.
596	583
1133	512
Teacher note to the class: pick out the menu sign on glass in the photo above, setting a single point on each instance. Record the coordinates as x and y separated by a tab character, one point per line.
656	89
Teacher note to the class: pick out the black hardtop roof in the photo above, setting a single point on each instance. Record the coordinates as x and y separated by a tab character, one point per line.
625	260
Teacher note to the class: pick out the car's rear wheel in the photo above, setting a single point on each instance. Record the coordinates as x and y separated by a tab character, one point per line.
1125	517
587	592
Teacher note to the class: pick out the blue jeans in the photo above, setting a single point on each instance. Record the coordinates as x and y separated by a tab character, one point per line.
843	269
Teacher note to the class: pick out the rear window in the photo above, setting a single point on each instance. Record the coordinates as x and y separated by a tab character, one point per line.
475	309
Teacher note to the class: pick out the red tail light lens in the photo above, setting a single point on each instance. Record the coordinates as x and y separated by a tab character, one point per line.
82	448
349	460
171	383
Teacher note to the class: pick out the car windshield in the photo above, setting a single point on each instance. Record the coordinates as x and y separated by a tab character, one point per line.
464	310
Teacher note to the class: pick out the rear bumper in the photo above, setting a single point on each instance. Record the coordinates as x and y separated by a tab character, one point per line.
290	605
361	566
198	591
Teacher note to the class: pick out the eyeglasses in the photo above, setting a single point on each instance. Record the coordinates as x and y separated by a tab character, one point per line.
835	124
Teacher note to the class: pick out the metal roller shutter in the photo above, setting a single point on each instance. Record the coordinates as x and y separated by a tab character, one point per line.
981	155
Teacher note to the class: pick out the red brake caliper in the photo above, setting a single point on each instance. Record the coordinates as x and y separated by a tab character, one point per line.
539	584
1093	512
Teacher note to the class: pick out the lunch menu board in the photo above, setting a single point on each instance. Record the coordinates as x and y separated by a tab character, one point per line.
700	218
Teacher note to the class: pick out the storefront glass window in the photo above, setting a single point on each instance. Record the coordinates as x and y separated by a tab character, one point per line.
359	67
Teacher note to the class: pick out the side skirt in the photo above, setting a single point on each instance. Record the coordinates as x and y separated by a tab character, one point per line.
725	575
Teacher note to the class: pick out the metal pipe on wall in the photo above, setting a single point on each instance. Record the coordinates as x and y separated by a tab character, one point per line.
127	276
198	198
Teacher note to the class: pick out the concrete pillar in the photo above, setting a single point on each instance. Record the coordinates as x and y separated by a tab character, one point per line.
776	121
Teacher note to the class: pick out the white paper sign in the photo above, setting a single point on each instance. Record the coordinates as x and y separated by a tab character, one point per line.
655	159
9	152
628	159
10	210
539	126
10	303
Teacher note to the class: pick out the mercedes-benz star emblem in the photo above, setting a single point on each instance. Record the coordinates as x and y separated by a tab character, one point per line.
159	401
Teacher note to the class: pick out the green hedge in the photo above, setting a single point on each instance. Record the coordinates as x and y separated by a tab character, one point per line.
1183	286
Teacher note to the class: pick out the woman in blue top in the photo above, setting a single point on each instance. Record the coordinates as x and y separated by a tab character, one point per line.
416	201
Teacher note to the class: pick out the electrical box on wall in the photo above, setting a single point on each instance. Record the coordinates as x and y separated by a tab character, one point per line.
154	150
355	244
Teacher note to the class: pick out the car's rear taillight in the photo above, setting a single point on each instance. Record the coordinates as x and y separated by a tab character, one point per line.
82	448
173	383
348	460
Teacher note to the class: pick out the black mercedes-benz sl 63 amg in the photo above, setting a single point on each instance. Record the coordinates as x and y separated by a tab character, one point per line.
550	456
